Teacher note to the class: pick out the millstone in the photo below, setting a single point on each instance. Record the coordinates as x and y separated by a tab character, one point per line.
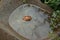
30	22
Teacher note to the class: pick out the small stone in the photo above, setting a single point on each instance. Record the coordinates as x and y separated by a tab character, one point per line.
27	18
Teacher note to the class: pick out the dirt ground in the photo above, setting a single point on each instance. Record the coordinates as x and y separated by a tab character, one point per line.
6	7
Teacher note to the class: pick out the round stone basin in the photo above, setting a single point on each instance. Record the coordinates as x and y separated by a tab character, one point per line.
29	21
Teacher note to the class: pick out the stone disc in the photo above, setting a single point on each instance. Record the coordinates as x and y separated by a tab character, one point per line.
36	24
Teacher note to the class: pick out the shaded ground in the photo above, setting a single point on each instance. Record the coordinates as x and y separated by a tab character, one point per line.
6	36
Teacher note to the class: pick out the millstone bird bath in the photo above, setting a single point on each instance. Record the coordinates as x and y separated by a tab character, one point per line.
30	22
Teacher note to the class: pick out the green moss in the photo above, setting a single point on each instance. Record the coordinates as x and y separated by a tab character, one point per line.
55	17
